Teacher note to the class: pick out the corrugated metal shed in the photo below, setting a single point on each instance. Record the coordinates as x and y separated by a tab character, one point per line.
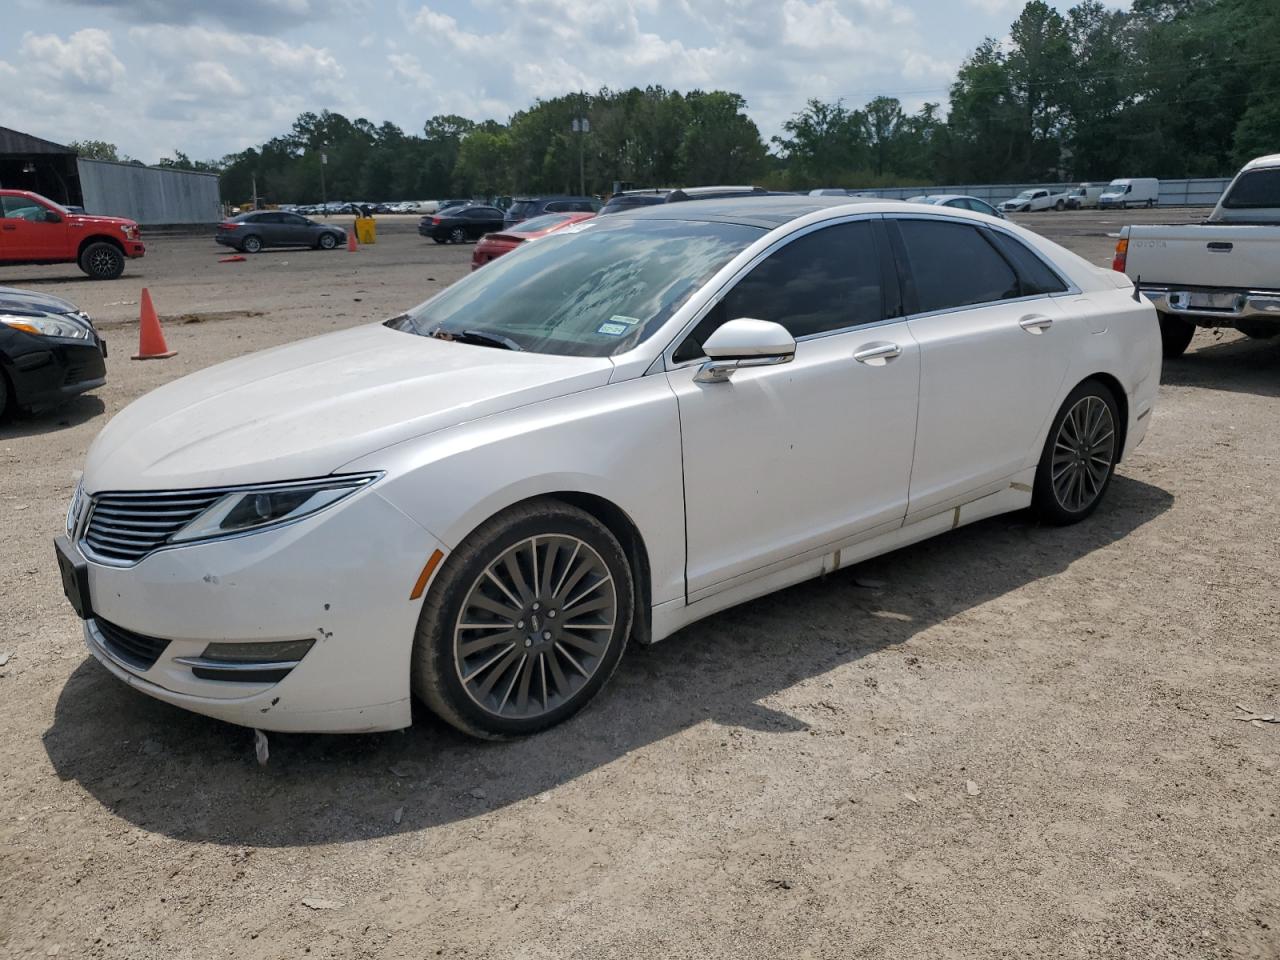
14	141
150	195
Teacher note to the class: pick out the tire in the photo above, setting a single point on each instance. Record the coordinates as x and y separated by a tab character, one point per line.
1060	206
1079	456
328	241
503	697
251	244
1258	329
1150	204
4	394
102	261
1124	204
1175	335
457	235
438	239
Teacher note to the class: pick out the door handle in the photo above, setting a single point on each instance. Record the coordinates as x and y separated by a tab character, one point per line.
1220	246
9	226
1035	323
877	354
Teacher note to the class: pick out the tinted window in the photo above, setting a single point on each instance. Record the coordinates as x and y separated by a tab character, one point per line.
953	266
272	218
1261	188
559	206
294	220
522	208
1034	273
825	280
592	291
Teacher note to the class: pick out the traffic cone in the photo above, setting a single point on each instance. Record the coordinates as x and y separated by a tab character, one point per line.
351	242
151	345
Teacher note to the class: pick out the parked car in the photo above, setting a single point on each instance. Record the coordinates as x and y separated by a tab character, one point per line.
459	224
251	232
1033	200
1224	272
49	351
523	208
1085	196
484	499
630	199
1131	192
34	229
960	203
494	245
449	204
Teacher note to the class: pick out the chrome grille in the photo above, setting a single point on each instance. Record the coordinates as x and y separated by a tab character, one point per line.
125	527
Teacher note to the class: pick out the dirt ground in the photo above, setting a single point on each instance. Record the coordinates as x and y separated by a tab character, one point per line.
1011	741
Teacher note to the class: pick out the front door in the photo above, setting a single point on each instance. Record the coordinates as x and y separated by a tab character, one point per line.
30	230
783	460
994	350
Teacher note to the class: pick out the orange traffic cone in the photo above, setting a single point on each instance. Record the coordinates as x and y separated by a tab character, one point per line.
351	241
151	345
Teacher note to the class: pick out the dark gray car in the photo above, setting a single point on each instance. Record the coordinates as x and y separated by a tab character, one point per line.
250	232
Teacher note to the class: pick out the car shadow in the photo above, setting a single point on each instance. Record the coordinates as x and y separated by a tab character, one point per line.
70	413
190	777
1239	365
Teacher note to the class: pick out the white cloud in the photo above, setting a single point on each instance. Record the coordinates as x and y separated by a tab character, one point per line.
249	15
85	61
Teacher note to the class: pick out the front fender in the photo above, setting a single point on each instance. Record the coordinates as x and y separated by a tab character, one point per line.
619	442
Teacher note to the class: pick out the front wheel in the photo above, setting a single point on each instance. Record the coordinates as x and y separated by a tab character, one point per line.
525	622
1079	456
1059	206
1175	335
328	241
102	261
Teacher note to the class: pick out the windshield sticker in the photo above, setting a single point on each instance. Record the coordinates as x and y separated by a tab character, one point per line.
629	321
610	329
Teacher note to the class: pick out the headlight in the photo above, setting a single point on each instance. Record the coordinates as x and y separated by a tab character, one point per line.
258	508
129	230
46	326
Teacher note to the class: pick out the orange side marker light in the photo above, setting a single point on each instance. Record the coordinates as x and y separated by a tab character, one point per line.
432	562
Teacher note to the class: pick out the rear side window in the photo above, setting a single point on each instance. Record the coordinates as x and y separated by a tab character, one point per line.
953	266
1255	190
825	280
522	208
1035	276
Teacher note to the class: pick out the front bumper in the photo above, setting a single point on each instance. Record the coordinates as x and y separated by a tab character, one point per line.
134	249
1215	308
342	577
57	369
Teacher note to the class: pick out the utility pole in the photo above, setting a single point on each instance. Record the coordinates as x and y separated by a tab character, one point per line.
324	200
581	126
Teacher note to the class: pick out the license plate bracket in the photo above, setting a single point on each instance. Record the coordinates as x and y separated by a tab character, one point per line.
75	577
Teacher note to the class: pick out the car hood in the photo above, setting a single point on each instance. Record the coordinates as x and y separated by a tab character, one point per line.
89	220
304	409
28	301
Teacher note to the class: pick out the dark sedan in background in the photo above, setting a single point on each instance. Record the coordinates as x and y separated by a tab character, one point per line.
250	232
49	351
459	224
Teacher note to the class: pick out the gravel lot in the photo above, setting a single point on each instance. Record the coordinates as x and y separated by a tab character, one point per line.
1007	742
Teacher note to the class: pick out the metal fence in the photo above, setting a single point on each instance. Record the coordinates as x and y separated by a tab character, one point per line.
150	195
1173	193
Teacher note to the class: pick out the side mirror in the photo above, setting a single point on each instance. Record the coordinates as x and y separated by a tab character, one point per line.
51	216
744	343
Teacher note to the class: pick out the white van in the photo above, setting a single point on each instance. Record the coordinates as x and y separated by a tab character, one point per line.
1085	195
1131	192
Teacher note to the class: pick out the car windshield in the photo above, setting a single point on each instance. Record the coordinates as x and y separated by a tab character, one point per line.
522	208
1025	195
590	290
544	222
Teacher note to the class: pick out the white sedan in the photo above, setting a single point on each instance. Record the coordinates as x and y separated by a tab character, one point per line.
600	437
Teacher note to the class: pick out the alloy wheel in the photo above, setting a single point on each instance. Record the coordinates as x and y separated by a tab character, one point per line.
535	626
102	263
1083	454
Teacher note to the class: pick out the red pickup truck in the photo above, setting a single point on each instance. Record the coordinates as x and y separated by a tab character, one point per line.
34	229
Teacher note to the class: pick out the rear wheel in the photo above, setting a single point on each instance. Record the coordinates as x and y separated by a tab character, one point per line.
525	622
1175	335
251	243
102	261
1060	206
457	235
1259	329
1079	455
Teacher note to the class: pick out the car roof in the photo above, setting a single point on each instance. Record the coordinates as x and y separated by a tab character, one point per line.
756	211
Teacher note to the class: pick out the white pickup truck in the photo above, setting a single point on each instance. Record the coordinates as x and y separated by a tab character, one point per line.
1224	272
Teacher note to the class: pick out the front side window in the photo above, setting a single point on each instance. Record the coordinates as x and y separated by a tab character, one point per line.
1255	190
825	280
591	290
952	265
22	208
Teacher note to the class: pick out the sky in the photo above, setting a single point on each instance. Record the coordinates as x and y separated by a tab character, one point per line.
211	77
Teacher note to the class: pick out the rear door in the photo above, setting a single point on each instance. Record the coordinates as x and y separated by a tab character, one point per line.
780	461
994	350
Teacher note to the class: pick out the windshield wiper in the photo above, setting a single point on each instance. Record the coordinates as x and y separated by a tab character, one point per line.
477	338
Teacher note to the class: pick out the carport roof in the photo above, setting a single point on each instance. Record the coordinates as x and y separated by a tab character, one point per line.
15	141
